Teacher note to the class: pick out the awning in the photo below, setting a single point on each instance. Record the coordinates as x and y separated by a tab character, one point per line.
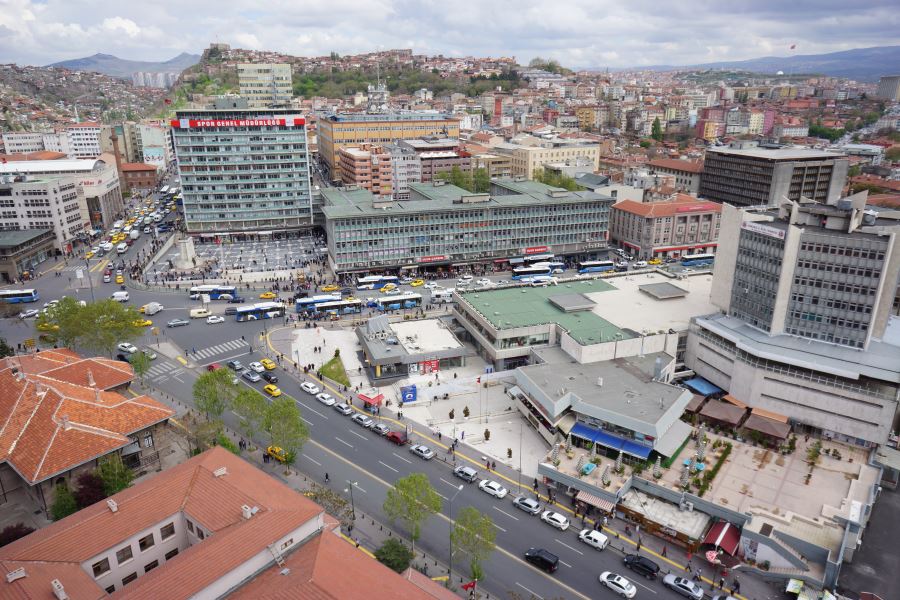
695	404
770	415
610	441
775	429
702	386
371	398
516	261
672	439
566	423
604	505
723	412
539	257
132	448
724	535
732	400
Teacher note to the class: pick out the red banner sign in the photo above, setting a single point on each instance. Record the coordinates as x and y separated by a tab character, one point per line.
193	123
432	258
537	249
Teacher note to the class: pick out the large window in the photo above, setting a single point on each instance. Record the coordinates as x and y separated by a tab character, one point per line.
167	531
146	542
100	567
124	554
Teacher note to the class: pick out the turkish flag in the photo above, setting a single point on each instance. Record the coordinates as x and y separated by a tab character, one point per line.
470	586
168	101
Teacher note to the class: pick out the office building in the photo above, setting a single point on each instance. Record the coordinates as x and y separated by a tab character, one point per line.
23	250
889	88
22	142
526	158
265	85
39	202
686	173
672	228
367	166
806	293
406	168
757	176
438	155
243	171
84	140
444	225
497	166
79	140
352	129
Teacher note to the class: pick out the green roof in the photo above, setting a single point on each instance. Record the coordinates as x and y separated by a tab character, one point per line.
526	186
525	306
439	192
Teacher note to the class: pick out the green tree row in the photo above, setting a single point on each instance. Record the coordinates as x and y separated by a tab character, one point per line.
476	181
404	80
556	180
95	326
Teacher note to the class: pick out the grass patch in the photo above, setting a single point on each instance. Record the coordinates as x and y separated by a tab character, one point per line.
334	370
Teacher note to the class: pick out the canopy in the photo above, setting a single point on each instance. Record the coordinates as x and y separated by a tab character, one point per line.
611	441
775	429
371	397
604	505
723	412
723	535
702	386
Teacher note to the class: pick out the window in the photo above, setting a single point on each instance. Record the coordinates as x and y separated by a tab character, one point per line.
171	553
101	567
167	531
200	533
146	542
128	579
110	589
150	566
124	555
190	526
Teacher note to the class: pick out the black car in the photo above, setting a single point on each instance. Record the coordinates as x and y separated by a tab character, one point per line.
269	377
642	564
122	357
237	300
542	559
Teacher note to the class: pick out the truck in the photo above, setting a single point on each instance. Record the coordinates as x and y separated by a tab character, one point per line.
135	233
442	296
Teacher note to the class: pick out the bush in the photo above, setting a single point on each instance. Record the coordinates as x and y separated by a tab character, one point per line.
394	555
337	352
11	533
711	474
90	489
509	453
225	441
63	503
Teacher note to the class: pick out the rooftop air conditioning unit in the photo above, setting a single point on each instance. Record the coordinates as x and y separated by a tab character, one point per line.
58	590
221	471
113	505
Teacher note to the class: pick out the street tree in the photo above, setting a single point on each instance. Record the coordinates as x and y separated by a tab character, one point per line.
250	408
5	349
114	474
394	554
140	362
474	534
412	500
11	533
96	327
285	427
213	392
90	489
482	181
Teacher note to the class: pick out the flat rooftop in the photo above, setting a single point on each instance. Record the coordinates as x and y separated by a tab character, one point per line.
778	153
427	335
408	342
11	239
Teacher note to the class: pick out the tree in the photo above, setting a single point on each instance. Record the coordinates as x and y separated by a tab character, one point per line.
393	554
285	427
90	489
114	474
412	500
140	362
5	349
250	408
893	154
213	392
97	326
556	180
482	181
11	533
474	533
63	503
656	130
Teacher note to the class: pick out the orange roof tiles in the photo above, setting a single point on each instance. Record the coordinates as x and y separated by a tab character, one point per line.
677	164
138	167
683	204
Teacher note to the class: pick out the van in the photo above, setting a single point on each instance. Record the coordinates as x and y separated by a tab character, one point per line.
466	473
120	296
122	248
199	313
542	559
152	308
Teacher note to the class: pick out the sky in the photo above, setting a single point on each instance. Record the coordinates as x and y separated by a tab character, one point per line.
577	33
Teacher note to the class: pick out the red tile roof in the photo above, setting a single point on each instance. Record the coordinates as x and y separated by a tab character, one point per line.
676	164
138	167
881	182
52	420
681	205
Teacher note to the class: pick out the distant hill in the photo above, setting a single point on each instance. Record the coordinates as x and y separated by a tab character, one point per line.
862	64
119	67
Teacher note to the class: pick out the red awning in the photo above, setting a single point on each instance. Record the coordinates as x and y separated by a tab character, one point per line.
371	398
724	535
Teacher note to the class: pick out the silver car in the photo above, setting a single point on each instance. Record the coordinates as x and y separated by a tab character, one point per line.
364	420
423	452
685	587
529	505
343	409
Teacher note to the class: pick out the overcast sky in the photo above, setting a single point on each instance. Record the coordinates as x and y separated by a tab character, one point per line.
579	33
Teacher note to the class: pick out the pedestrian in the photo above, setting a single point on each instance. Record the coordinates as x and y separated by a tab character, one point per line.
605	521
721	583
494	465
735	587
688	567
440	435
326	478
698	576
664	551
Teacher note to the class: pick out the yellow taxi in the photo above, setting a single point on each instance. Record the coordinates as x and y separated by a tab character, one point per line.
267	363
276	453
331	288
47	327
143	323
90	254
268	295
388	287
120	279
272	390
417	282
654	261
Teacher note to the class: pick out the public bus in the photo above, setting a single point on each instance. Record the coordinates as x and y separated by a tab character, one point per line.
595	266
17	296
520	272
534	258
309	304
698	260
164	190
216	292
337	307
263	310
399	301
376	282
555	266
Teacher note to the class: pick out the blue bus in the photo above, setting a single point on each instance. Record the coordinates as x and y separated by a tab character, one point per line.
399	301
698	260
522	272
376	282
555	266
308	304
216	292
17	296
263	310
595	266
338	307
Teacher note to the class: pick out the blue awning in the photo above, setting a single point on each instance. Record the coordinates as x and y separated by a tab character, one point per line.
702	386
611	441
636	450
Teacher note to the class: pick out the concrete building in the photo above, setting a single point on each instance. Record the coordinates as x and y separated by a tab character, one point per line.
438	155
352	129
684	225
139	176
84	140
22	142
757	176
497	166
368	167
686	173
265	85
78	140
398	350
39	202
889	87
243	171
806	292
23	250
442	225
406	168
527	158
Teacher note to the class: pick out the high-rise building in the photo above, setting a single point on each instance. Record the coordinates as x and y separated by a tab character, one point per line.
37	202
243	170
406	168
84	140
265	85
806	291
757	176
367	166
889	87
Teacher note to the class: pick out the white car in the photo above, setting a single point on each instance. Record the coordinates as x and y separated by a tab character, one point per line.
213	319
555	519
430	285
493	488
423	452
326	399
618	584
257	367
309	388
128	348
483	282
641	264
594	538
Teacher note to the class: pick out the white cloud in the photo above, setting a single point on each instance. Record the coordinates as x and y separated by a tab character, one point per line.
128	26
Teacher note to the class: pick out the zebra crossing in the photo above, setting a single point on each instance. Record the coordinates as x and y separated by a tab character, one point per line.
163	370
231	346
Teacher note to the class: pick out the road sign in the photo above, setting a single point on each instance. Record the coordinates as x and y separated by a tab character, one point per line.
29	343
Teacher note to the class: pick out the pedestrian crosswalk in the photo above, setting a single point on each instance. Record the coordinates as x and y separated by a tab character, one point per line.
225	347
164	369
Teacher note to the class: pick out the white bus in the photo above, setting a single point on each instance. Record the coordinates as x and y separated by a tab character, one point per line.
164	190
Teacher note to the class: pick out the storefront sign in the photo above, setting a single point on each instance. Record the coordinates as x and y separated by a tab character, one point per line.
191	123
427	259
763	229
537	249
408	394
430	366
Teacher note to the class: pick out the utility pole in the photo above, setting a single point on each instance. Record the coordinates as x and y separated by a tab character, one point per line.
450	514
352	505
87	273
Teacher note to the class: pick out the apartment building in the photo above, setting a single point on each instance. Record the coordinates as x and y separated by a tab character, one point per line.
265	85
756	175
686	173
367	166
42	202
526	158
406	168
352	129
84	140
443	225
79	140
496	165
243	171
139	176
438	155
22	142
673	228
805	291
889	87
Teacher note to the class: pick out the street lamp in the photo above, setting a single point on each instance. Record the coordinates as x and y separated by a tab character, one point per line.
352	505
450	512
87	273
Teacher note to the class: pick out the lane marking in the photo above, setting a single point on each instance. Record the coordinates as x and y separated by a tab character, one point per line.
506	513
453	485
562	562
310	408
362	437
342	441
442	496
569	547
538	596
632	580
401	458
312	460
389	467
498	527
181	360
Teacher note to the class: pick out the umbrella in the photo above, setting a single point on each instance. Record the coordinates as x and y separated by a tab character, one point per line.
713	557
